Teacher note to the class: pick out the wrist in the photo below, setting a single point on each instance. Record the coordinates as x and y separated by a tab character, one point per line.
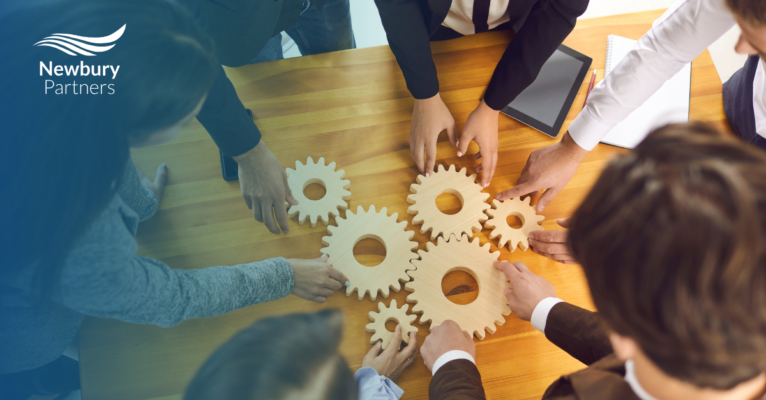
484	108
252	153
572	147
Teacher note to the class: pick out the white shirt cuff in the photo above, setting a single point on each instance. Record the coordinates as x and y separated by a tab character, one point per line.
451	355
586	130
542	309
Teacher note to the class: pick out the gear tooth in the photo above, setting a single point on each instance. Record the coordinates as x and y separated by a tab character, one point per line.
415	187
417	220
313	219
298	164
484	197
464	171
451	168
395	217
410	200
346	195
340	173
381	307
289	171
372	209
359	209
310	161
480	334
527	201
496	203
393	304
331	165
472	177
320	161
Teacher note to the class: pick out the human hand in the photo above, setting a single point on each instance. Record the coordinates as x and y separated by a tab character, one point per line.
158	186
315	280
392	362
429	118
552	244
481	127
443	338
263	182
527	289
548	168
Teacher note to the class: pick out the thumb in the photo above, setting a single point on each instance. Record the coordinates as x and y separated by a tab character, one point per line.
516	191
451	134
563	222
322	258
546	198
465	140
288	193
393	345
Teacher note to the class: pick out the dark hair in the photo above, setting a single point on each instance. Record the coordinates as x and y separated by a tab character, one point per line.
277	356
64	155
671	238
753	11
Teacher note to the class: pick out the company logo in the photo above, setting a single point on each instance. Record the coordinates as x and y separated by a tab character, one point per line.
73	44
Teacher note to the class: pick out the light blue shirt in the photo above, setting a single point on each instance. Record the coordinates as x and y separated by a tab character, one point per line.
375	387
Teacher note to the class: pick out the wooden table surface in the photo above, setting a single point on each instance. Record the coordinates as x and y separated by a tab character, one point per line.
351	107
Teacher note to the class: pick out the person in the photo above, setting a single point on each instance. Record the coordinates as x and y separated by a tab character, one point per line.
676	38
296	357
74	201
670	239
539	27
250	32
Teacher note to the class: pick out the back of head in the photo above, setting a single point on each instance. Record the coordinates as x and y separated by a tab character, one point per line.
671	238
291	357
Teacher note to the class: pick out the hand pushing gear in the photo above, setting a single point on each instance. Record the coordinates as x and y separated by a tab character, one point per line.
385	314
325	175
521	209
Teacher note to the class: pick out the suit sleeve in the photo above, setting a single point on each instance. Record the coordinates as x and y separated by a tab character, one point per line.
578	332
548	24
408	38
456	380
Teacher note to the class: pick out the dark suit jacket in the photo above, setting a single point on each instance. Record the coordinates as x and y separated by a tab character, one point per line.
574	330
540	26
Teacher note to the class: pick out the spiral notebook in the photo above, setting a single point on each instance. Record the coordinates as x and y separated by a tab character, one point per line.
668	105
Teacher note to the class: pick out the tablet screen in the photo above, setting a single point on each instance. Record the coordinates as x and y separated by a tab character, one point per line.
545	103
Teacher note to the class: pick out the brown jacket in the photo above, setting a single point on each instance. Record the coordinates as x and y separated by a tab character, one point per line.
574	330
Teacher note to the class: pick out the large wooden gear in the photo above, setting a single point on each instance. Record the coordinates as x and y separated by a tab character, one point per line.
376	225
521	209
489	308
390	313
334	199
423	200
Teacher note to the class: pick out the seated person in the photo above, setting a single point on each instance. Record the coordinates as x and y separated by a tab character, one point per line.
539	25
296	357
671	241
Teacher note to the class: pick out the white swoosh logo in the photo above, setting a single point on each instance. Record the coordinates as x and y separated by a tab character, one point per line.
82	45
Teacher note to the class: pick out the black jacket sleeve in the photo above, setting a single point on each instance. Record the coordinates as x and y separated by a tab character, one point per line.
579	332
456	380
407	33
548	24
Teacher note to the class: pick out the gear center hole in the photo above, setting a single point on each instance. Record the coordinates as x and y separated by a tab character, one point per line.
314	189
460	286
391	325
369	251
515	220
450	202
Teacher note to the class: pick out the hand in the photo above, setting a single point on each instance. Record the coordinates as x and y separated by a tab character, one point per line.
549	168
429	118
264	186
158	186
446	337
527	290
392	362
315	280
481	127
552	244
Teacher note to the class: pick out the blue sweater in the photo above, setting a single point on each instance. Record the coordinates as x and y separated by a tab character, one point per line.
102	277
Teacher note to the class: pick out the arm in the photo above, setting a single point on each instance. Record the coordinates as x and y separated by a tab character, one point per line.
578	332
380	368
449	353
456	380
548	24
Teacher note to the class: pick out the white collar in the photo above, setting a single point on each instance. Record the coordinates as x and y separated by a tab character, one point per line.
630	377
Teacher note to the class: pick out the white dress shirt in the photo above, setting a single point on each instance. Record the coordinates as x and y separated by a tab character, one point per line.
460	15
759	106
677	38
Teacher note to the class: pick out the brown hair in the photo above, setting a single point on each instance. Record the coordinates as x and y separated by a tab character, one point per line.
279	356
671	238
753	11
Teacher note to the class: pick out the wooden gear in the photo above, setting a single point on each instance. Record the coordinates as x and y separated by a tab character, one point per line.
385	229
334	199
446	256
423	202
385	314
499	213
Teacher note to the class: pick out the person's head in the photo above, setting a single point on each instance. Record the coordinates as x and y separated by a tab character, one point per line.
64	154
751	18
292	357
671	239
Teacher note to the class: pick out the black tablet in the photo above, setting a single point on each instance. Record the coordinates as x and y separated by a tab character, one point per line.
546	102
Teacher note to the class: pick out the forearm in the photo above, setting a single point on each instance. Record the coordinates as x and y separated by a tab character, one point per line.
575	330
542	33
375	387
456	380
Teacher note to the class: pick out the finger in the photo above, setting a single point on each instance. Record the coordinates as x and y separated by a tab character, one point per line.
324	292
374	351
486	166
451	134
465	140
547	197
162	176
267	214
507	268
521	267
549	236
257	212
282	219
478	168
493	168
563	222
550	248
393	345
319	299
338	276
417	154
332	284
288	193
477	156
431	156
411	349
516	191
467	335
556	257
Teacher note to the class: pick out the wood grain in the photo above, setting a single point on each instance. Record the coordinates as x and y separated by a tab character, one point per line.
351	107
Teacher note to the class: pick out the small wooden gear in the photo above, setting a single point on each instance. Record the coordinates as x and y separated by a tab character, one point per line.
385	314
446	256
498	222
423	200
334	199
385	229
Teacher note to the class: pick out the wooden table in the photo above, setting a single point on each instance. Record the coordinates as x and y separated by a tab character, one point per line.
351	107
